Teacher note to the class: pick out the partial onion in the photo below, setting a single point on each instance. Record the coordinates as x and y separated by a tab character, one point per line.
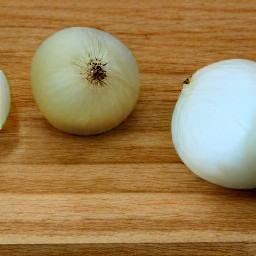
5	99
214	123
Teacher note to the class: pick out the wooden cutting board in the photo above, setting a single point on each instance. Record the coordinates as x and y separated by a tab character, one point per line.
124	192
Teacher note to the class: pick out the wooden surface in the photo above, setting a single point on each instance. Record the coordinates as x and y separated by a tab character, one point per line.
126	191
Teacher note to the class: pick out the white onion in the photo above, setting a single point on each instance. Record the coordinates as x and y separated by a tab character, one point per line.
214	124
85	81
5	99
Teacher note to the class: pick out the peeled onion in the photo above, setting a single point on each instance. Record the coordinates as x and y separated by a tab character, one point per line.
214	123
85	81
5	99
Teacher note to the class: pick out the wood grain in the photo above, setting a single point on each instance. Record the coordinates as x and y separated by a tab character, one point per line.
124	192
177	249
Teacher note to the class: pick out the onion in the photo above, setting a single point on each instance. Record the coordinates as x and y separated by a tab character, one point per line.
5	99
214	123
85	81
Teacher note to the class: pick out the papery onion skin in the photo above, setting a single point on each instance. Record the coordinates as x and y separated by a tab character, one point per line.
5	99
214	124
66	88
